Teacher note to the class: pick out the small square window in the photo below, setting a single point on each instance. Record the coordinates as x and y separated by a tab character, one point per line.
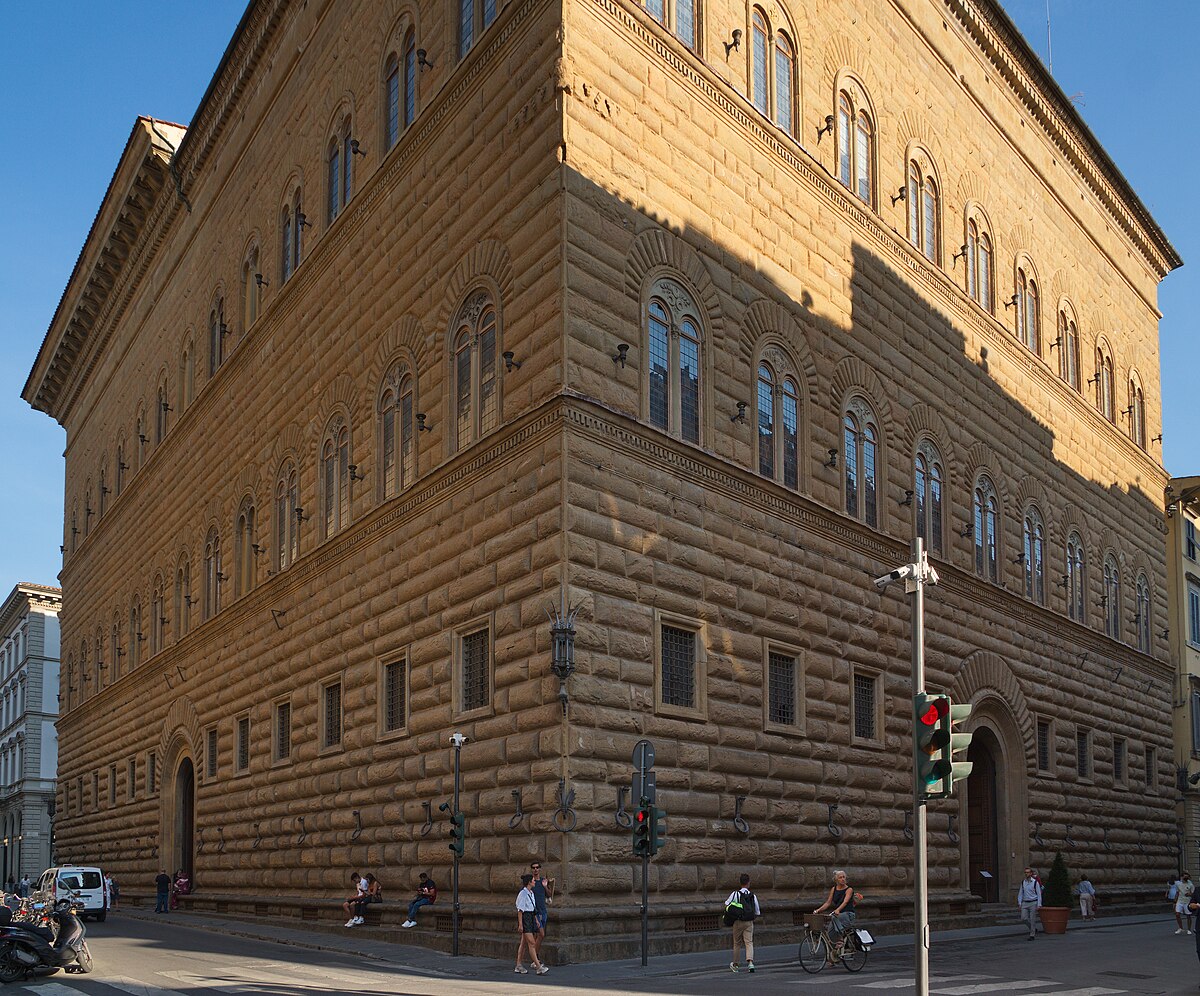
394	700
1045	747
112	784
680	671
243	744
152	773
783	696
210	753
331	715
281	748
1083	754
865	707
473	669
132	779
1151	769
1120	767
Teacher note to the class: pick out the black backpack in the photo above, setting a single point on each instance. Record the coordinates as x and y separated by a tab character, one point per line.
748	902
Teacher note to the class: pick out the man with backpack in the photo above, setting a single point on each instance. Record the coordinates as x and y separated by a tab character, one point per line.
740	910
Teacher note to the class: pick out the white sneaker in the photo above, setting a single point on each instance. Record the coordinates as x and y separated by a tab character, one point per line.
358	920
409	923
1179	931
352	921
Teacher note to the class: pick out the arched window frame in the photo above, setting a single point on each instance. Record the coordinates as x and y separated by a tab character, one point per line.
213	577
929	496
245	548
1105	382
162	408
1136	411
680	17
856	143
251	288
675	360
1068	347
292	222
88	509
334	470
339	169
923	196
397	435
1142	614
183	597
862	461
980	260
1028	308
136	636
141	438
1111	599
474	18
102	489
158	614
114	648
391	100
475	345
986	528
1076	578
1033	555
187	372
98	661
777	416
287	521
218	331
773	65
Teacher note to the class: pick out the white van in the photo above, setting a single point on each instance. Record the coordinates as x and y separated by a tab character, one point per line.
85	883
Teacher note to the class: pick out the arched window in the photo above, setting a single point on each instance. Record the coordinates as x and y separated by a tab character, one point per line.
1141	617
476	387
860	437
114	647
122	466
287	516
183	598
856	148
88	510
251	289
1033	556
778	403
397	453
674	358
217	331
773	72
1136	410
785	82
1075	579
136	636
142	440
335	476
979	265
1111	599
187	375
761	58
158	618
678	16
474	17
161	409
292	223
102	490
986	529
339	158
410	78
100	665
246	549
211	602
391	101
928	483
1104	383
1068	344
1028	321
924	212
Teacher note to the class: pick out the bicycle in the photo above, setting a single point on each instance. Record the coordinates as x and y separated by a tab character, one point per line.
817	948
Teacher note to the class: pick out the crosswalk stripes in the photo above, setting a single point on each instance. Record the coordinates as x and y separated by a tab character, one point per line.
959	985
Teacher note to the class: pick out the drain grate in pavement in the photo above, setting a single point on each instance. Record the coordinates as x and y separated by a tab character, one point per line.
1128	975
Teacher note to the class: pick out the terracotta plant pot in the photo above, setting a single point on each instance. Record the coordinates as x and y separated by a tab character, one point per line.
1054	919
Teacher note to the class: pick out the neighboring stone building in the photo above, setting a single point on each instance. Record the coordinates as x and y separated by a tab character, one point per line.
28	741
429	323
1183	618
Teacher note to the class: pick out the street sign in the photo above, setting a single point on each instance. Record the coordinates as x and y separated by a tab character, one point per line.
643	755
643	789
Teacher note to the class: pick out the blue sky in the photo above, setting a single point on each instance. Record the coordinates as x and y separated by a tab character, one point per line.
75	74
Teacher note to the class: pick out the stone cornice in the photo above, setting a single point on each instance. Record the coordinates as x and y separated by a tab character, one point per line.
26	597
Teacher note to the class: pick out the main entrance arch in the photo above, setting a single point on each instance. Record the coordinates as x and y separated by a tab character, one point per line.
983	814
185	817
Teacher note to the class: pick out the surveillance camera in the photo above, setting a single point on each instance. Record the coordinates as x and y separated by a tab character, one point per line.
457	740
899	574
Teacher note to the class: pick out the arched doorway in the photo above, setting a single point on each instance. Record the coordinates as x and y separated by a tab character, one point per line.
983	817
185	817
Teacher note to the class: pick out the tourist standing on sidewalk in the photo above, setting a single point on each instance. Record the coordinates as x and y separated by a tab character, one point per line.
527	928
1029	901
742	904
162	891
1087	898
542	898
1181	891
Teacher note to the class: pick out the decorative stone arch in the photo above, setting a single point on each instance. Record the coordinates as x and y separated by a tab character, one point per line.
290	444
1108	543
341	395
847	62
657	251
390	369
973	210
913	130
344	108
1071	520
926	422
406	340
981	460
775	350
487	260
1031	492
1002	722
852	375
180	740
404	17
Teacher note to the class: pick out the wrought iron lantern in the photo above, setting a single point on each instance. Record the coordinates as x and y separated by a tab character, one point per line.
562	647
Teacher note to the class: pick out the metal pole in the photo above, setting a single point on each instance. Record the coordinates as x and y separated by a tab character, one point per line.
645	907
920	886
454	937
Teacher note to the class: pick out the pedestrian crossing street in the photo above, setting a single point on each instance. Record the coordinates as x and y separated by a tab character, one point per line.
867	984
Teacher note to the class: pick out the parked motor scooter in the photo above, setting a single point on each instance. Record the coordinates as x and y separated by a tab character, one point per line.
25	949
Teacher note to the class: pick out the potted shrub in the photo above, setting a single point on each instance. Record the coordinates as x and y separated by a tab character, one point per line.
1056	898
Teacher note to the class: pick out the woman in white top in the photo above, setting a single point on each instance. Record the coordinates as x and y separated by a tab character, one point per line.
527	927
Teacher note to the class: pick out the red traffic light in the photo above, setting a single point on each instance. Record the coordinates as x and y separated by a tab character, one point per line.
642	816
933	715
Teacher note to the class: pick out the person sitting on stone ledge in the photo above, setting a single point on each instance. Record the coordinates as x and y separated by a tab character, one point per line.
426	896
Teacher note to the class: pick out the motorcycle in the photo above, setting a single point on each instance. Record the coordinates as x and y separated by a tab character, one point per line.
27	948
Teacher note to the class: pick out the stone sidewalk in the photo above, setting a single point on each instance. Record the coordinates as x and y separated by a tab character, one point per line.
358	943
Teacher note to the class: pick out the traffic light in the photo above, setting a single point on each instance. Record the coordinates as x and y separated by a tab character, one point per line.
658	829
458	833
959	742
931	738
642	832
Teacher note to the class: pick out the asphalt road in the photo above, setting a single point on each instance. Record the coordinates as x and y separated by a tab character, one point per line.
164	957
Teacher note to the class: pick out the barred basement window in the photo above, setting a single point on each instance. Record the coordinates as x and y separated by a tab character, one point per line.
475	677
865	708
1083	753
395	678
781	689
112	784
95	789
678	667
283	731
1119	767
210	756
1043	745
1151	769
152	773
331	725
243	743
132	779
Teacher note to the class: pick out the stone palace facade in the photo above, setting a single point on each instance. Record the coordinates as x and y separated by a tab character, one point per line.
686	314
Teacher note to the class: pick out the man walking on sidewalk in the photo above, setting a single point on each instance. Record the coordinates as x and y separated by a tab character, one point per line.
1029	901
742	904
